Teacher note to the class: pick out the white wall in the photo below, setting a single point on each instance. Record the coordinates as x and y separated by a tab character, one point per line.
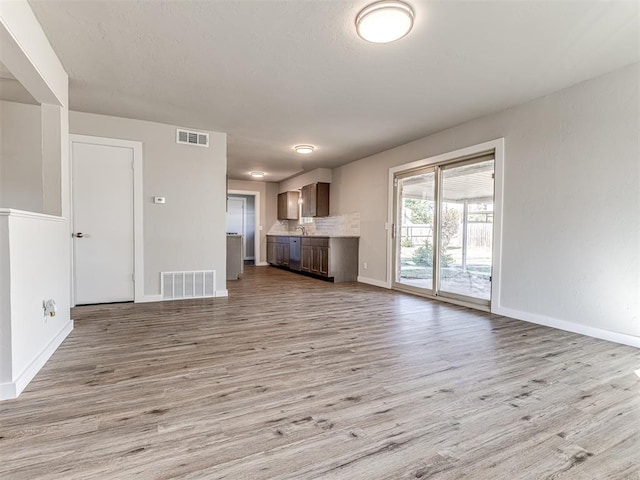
37	271
306	178
571	228
35	248
21	157
188	232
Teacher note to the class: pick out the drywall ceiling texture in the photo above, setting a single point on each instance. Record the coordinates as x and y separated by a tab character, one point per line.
571	225
187	233
273	74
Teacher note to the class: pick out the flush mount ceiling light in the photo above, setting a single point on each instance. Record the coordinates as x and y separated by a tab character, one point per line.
384	22
304	149
257	174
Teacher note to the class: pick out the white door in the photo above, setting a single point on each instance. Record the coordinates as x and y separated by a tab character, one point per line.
103	240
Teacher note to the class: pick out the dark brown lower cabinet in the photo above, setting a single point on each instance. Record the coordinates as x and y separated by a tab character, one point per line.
321	266
306	256
333	258
271	250
315	254
278	250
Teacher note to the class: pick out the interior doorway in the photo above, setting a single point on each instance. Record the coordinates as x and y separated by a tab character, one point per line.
237	223
248	221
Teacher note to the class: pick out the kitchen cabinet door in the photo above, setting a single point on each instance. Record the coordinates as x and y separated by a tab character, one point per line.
320	261
271	252
323	261
288	205
315	200
306	258
282	254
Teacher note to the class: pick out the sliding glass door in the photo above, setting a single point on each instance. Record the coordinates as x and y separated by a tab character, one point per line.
443	235
416	217
466	229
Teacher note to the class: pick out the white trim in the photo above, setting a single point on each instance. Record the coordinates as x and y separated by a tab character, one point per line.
158	298
10	212
150	298
257	230
498	192
13	389
497	146
567	326
455	301
391	198
28	55
373	281
138	206
262	264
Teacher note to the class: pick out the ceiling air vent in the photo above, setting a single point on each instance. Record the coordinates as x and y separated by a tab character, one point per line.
192	138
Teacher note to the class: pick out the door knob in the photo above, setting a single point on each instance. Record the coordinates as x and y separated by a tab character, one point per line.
78	235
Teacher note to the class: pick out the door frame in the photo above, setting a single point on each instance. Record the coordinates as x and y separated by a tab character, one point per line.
258	230
497	148
244	223
138	207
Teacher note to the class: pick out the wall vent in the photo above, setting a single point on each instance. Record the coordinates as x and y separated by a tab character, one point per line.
192	138
179	285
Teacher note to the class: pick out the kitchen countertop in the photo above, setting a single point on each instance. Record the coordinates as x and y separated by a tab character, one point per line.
315	235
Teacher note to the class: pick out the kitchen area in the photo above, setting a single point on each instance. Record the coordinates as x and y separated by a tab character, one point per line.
307	240
296	232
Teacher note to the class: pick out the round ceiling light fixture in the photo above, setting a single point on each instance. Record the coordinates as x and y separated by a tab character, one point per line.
257	174
304	149
384	22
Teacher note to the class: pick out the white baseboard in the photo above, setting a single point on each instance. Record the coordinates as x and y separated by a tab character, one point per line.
158	298
262	264
594	332
373	281
13	389
149	298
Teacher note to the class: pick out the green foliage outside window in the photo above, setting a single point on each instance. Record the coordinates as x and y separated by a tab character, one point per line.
450	226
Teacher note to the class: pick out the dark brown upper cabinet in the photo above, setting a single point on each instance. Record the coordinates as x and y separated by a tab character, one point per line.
288	205
315	200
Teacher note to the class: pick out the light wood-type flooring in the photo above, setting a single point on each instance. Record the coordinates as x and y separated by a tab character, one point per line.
295	378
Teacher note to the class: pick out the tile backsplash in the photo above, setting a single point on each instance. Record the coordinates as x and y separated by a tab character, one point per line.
347	224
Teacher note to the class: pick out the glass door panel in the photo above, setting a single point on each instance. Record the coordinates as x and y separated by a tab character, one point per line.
466	230
415	210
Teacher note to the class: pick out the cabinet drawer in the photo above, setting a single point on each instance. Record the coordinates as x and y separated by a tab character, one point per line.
315	241
320	242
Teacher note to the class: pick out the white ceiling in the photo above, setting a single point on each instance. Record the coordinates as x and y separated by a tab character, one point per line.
276	73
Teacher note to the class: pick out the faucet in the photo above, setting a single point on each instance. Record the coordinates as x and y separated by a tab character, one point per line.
304	230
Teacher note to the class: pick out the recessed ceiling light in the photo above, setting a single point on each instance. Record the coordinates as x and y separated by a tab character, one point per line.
304	148
257	174
384	22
